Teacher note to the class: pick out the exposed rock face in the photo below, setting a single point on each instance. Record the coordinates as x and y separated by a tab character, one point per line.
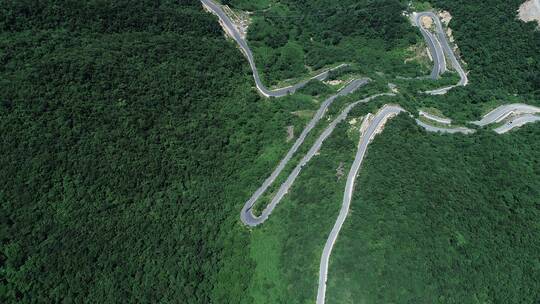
530	11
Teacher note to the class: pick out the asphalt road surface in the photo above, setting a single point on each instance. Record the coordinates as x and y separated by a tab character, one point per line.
502	112
435	48
247	215
233	32
450	130
517	122
442	120
371	129
516	114
438	45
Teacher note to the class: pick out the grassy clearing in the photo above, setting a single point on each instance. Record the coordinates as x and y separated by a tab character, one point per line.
310	73
299	226
418	53
434	111
268	285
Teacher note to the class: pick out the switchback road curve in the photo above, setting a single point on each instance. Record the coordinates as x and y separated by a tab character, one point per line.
439	47
231	29
512	115
434	47
247	215
516	115
500	113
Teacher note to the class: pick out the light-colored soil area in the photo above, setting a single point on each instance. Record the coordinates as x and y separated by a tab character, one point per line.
449	34
290	133
240	19
334	82
340	171
530	11
393	88
427	22
445	17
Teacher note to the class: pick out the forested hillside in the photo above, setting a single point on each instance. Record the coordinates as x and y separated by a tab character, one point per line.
131	135
290	38
501	53
123	134
442	219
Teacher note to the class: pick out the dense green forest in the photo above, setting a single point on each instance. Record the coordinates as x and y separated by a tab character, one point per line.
501	50
501	53
291	38
125	139
442	219
132	135
436	235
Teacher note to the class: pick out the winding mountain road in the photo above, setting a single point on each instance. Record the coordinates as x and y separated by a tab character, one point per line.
451	130
370	127
435	48
233	32
440	46
515	114
247	215
442	120
500	113
517	122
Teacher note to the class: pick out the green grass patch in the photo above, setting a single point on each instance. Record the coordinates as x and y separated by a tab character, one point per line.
268	285
299	226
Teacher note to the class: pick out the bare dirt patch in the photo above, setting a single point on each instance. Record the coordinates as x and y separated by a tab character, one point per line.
334	82
427	22
240	19
530	11
393	88
340	171
290	133
445	17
